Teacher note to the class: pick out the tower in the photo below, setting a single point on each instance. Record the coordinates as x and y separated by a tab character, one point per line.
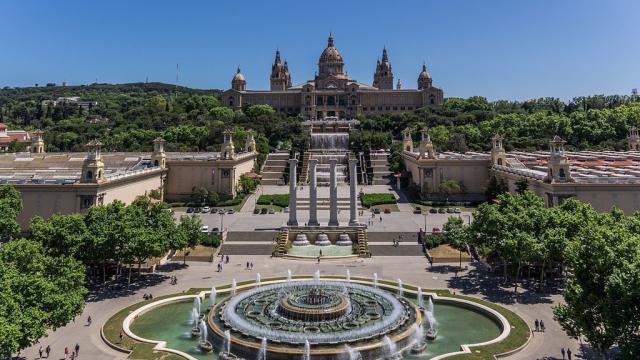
228	150
498	156
383	77
424	79
238	82
330	63
250	144
407	142
159	158
559	169
37	143
426	146
280	77
633	141
93	167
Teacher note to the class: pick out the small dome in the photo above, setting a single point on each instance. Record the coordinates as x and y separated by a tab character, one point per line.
424	74
238	76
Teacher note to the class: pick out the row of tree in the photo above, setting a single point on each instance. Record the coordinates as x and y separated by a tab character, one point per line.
42	278
600	251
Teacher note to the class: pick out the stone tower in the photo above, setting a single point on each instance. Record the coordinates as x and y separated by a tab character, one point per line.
280	77
383	77
228	150
559	169
93	167
426	145
238	82
407	142
159	158
37	143
633	141
250	144
498	156
424	79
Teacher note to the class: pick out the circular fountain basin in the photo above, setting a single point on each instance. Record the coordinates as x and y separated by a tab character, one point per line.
344	240
301	240
322	240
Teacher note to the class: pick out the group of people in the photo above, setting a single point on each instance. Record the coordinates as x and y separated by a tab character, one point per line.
249	265
73	355
147	296
539	325
223	259
565	352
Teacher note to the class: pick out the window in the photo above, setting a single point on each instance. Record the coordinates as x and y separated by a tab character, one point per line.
379	108
225	173
331	101
307	100
89	175
320	100
388	108
395	108
155	163
561	173
230	100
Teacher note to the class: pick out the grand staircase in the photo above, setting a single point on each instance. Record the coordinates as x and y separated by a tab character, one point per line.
304	173
380	168
281	242
274	167
363	246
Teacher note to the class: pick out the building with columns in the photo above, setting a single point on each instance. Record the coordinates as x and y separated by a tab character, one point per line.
603	179
331	93
65	183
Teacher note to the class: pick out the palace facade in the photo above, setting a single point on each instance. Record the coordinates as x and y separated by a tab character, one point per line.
332	93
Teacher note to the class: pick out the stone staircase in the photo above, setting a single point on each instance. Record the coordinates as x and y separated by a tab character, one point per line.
323	204
380	168
363	246
274	167
281	243
304	171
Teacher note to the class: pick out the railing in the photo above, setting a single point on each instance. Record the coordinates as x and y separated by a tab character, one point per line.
130	173
522	172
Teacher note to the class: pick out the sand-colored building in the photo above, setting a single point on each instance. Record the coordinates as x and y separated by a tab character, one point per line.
603	179
332	93
65	183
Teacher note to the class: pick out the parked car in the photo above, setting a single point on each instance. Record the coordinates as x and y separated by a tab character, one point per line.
264	211
221	211
433	210
215	230
436	230
197	210
441	211
272	211
376	211
387	211
286	209
417	210
204	228
167	210
457	210
256	211
189	210
206	209
449	211
231	211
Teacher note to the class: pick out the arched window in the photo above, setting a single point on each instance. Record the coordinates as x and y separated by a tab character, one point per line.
408	148
331	101
230	100
89	175
155	163
500	161
561	174
307	100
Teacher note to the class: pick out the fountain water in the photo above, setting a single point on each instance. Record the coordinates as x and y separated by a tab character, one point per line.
419	343
195	316
330	141
212	296
203	331
257	279
316	275
375	280
234	287
431	325
390	346
307	351
352	354
289	276
348	275
400	289
196	303
262	354
420	298
226	343
430	305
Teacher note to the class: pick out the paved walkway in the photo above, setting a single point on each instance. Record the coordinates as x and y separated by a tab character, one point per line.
412	270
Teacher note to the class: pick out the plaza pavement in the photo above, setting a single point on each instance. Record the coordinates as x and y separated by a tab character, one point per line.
412	270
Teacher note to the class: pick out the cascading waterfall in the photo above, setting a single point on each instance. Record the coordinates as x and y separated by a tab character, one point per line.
234	286
420	298
390	346
375	280
212	296
289	276
330	141
307	351
262	354
400	289
323	169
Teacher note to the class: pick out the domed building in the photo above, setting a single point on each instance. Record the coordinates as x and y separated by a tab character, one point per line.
332	94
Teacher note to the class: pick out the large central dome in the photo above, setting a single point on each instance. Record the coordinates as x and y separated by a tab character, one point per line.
331	62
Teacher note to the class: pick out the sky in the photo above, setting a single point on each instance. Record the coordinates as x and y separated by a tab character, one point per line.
500	49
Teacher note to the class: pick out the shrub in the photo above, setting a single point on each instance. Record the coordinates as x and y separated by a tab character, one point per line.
369	200
281	200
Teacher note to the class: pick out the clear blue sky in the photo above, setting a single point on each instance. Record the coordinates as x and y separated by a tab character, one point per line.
501	49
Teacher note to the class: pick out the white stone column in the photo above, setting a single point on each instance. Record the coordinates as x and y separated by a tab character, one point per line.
313	194
333	194
293	188
353	193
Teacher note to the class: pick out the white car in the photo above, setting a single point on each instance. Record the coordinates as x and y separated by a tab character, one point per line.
204	229
206	209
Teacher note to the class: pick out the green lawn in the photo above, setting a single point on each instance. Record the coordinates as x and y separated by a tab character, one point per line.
369	200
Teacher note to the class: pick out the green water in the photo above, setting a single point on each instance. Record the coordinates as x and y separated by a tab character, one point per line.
313	250
456	326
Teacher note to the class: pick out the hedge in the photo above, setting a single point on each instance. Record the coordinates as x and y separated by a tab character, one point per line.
369	200
281	200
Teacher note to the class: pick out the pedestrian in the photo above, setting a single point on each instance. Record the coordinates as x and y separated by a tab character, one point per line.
568	353
66	352
541	325
121	336
227	260
251	265
563	353
537	325
47	350
77	348
40	352
247	265
380	218
73	355
89	321
318	259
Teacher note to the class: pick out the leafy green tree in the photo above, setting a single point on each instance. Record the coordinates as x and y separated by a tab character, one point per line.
11	196
522	185
60	234
495	188
189	234
456	234
449	187
38	293
156	104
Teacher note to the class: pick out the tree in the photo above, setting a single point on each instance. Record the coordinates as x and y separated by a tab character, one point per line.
189	234
522	185
61	234
11	196
37	292
448	187
456	234
9	228
248	184
495	188
156	104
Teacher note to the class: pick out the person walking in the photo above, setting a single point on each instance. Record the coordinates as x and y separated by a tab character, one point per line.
568	353
47	350
66	352
563	353
251	265
537	323
542	326
89	321
40	351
